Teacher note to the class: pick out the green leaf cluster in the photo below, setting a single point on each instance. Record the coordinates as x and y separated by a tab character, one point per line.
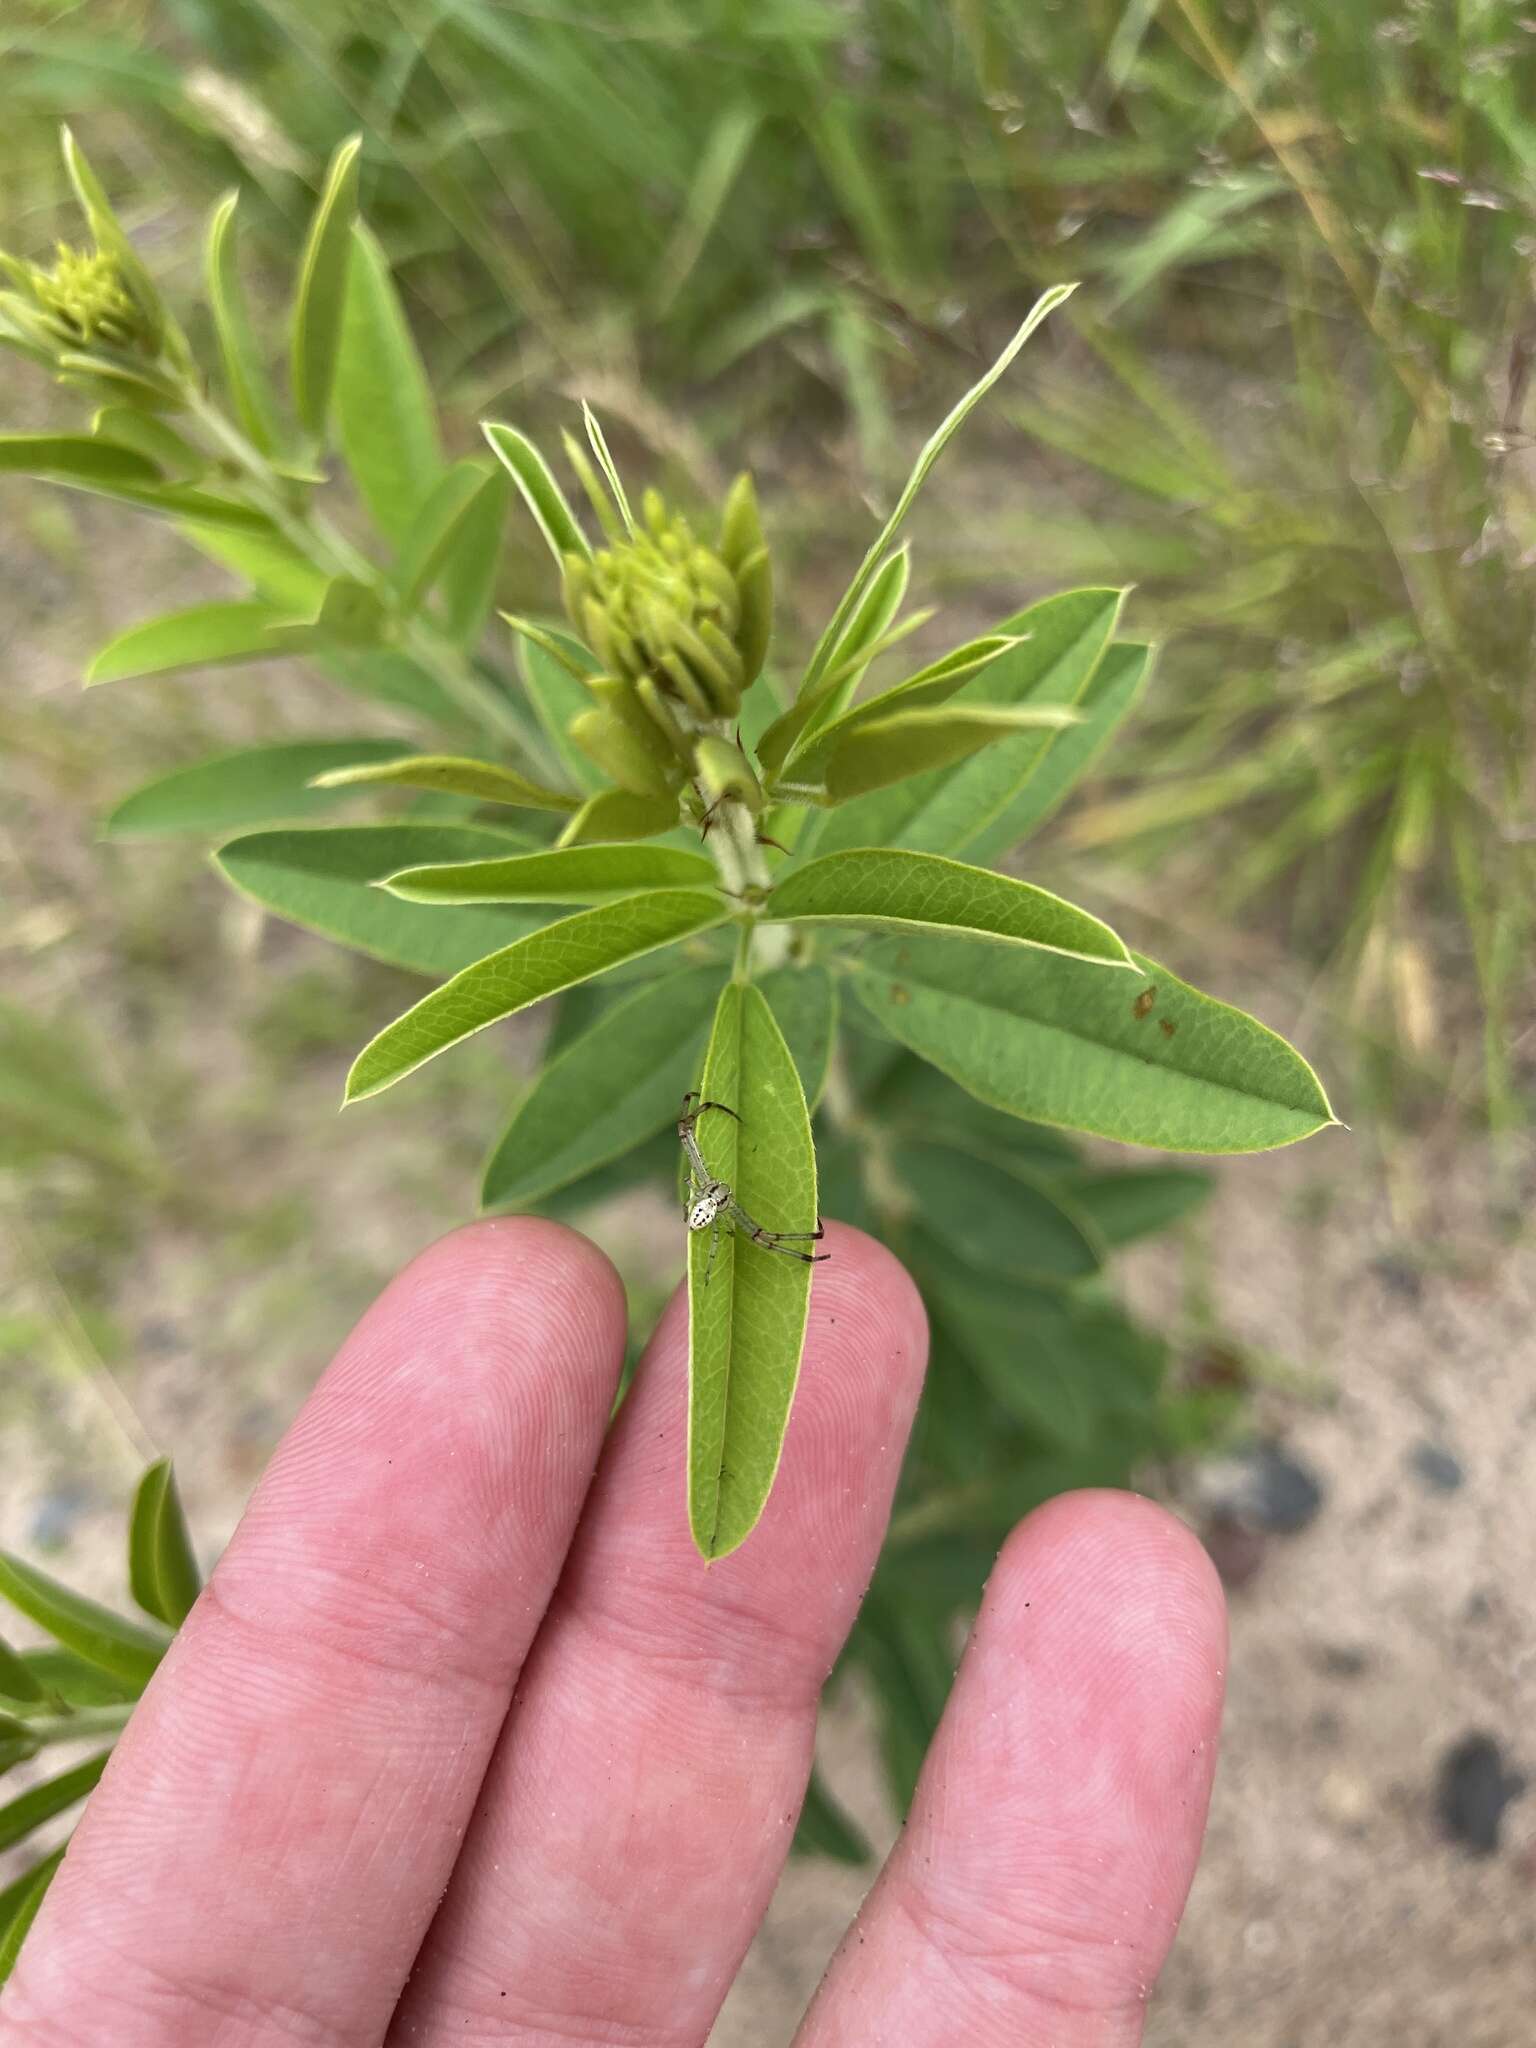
82	1686
732	869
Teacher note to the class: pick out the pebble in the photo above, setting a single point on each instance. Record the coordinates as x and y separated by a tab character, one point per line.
1472	1789
1440	1472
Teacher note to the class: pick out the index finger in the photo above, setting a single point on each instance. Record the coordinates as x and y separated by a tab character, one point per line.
281	1816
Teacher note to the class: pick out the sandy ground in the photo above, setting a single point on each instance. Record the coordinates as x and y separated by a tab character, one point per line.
1329	1909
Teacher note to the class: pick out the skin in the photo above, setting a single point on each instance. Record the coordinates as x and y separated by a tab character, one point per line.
464	1743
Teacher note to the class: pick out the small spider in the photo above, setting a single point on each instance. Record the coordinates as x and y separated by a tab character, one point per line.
710	1201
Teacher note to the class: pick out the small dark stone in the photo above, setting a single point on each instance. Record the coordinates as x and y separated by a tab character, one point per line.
1440	1472
1342	1660
1399	1275
1281	1494
1471	1792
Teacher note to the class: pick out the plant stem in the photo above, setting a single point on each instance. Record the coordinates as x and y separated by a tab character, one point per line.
732	839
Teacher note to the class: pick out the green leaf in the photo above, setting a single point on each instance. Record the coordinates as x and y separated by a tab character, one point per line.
18	1681
1149	1061
320	297
75	458
434	532
541	964
825	1830
747	1321
931	685
76	1682
487	781
582	874
607	1091
1107	702
540	493
385	419
1062	641
225	630
244	371
620	814
558	697
995	1216
878	888
128	426
888	750
931	450
19	1816
19	1904
1136	1201
322	878
123	1649
18	1743
272	565
351	614
256	786
163	1573
468	583
804	1005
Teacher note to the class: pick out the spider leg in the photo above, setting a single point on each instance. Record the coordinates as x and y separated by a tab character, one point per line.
775	1240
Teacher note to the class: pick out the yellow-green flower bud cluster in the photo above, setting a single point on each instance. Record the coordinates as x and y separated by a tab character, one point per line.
681	630
83	303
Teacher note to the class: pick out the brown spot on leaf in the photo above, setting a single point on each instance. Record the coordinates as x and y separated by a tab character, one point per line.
1167	1026
1144	1002
899	994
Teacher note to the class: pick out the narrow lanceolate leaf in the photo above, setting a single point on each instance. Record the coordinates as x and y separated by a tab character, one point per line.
934	684
320	298
610	1089
551	669
75	458
620	814
1143	1058
163	1573
1107	702
1134	1202
467	586
804	1005
17	1679
577	874
19	1905
931	450
323	879
541	494
203	636
256	786
451	774
990	1214
879	887
747	1312
244	371
19	1816
1062	640
434	532
122	1648
562	954
888	750
385	418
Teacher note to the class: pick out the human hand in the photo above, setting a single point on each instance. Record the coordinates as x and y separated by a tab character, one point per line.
464	1744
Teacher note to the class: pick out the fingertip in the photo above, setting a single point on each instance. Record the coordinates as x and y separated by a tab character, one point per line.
862	1272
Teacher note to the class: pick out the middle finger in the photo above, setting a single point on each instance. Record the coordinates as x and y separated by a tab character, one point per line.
643	1794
